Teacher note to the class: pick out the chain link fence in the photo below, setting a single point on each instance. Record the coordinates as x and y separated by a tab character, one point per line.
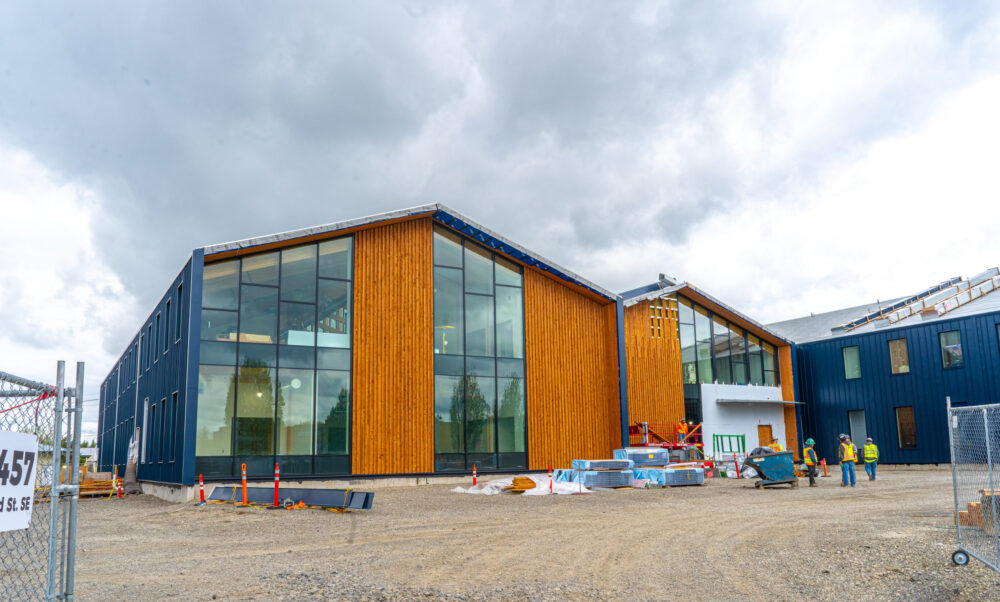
37	563
975	456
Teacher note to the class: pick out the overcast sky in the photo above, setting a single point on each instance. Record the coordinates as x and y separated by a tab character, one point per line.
787	158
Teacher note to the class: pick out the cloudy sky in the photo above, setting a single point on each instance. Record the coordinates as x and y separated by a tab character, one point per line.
787	158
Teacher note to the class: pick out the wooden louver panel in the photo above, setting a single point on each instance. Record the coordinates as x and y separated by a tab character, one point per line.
655	389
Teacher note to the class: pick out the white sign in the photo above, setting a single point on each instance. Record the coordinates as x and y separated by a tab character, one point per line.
18	465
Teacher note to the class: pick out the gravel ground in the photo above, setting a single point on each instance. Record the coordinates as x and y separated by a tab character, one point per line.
888	540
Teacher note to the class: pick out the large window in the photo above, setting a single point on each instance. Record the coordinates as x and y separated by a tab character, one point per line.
951	349
479	393
852	362
906	427
274	379
899	358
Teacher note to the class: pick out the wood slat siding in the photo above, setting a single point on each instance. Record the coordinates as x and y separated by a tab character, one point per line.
655	390
393	418
788	394
572	374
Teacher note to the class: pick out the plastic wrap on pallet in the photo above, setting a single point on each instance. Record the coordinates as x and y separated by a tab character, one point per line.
672	477
620	464
595	478
643	456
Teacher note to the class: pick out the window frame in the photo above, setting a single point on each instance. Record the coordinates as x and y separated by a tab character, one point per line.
941	347
843	355
906	353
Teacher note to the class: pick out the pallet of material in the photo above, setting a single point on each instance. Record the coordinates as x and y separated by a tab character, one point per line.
617	464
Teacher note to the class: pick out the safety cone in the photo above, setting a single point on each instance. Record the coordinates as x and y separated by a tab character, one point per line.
823	462
737	464
550	478
244	469
277	471
473	475
201	491
119	488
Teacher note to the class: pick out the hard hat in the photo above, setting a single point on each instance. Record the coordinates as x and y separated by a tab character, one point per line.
810	442
843	437
869	438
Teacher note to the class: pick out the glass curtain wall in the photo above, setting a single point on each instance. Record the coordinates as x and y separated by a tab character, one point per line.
274	375
479	391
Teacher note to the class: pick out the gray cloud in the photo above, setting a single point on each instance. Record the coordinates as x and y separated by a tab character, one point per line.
203	123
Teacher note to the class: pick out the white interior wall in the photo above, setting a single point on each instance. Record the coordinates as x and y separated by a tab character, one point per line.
741	418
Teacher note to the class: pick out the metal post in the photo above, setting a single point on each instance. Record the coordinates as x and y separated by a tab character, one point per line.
53	488
989	468
954	477
71	535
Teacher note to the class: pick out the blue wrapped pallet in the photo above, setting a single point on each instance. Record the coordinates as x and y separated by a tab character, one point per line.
644	456
671	477
595	478
602	464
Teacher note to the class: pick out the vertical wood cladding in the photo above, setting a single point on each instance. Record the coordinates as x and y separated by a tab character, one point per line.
788	394
655	390
393	417
572	374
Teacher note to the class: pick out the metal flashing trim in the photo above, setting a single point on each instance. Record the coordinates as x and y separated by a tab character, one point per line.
771	401
652	294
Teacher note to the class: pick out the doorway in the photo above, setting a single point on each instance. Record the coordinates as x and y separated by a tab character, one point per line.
764	435
856	418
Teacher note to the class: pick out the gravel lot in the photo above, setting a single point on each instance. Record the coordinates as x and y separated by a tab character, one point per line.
723	541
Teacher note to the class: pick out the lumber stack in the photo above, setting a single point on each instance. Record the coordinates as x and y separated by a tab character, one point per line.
521	484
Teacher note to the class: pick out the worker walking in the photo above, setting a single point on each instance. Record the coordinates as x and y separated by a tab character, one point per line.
809	455
775	446
848	455
871	458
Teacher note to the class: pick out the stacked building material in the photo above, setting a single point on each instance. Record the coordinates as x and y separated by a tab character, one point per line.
602	464
595	478
671	477
644	456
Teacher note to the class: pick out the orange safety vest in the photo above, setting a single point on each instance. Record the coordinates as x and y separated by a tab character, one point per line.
848	452
776	447
809	454
682	428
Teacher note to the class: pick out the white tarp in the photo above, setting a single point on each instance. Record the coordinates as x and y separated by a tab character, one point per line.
541	486
18	465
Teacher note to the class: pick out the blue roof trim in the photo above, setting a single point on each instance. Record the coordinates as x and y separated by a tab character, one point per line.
488	240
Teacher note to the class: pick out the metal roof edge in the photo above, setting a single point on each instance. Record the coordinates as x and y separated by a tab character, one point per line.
652	291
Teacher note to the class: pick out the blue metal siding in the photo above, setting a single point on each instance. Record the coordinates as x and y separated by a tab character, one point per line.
131	382
828	396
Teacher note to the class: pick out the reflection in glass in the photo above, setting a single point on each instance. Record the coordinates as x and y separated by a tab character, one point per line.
508	273
448	332
702	328
478	325
218	325
770	367
298	274
447	248
295	414
255	404
478	270
335	258
685	313
511	418
720	342
510	322
219	285
333	411
255	353
216	391
261	269
688	370
951	349
297	324
480	406
334	311
756	376
738	345
258	314
449	415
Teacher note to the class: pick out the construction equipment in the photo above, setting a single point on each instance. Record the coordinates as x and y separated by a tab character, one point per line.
775	468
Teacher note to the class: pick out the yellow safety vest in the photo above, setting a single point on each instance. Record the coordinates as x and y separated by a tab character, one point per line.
871	452
848	452
809	454
776	447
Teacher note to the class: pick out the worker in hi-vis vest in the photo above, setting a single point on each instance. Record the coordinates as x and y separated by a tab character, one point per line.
682	431
871	458
775	446
848	455
809	455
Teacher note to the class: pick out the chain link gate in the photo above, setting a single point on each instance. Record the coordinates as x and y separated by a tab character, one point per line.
38	563
974	433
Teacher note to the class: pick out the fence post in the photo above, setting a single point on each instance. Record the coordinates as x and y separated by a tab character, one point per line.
54	486
954	476
989	469
75	481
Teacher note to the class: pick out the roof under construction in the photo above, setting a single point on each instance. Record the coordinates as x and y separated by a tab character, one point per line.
952	298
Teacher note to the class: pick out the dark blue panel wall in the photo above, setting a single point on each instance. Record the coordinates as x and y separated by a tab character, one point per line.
828	396
152	372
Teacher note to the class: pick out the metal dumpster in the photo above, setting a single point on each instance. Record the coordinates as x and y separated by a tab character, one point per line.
774	468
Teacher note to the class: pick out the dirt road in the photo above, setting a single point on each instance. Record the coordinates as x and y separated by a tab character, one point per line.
891	539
